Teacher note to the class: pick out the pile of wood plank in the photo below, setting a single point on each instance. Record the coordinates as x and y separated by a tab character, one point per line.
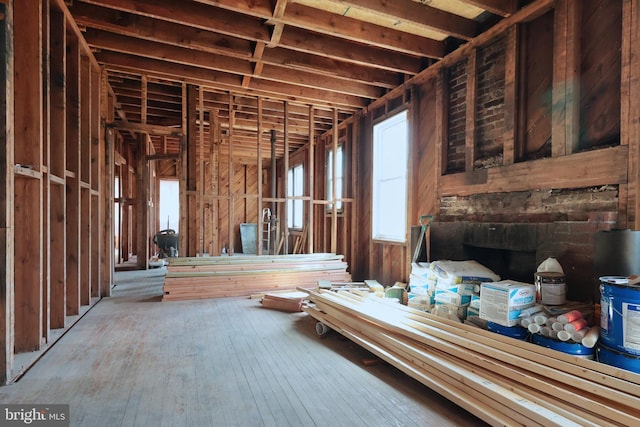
501	380
243	275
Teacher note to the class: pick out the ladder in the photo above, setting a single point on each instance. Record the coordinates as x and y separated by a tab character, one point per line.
266	230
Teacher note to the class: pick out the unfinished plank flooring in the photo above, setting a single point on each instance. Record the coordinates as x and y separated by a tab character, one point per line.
136	361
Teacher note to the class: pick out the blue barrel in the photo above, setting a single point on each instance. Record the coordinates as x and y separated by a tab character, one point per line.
620	314
619	359
517	332
569	347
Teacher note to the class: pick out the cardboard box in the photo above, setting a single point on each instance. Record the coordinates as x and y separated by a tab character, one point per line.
501	302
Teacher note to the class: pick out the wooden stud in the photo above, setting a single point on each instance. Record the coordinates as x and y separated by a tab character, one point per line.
230	192
28	191
107	155
470	136
96	172
285	182
142	203
630	111
511	109
85	178
260	234
46	155
7	256
566	74
311	172
73	175
334	177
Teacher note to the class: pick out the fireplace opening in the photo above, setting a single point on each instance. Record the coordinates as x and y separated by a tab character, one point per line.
507	263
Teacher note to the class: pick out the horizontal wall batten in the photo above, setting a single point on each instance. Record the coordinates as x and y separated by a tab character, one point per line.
592	168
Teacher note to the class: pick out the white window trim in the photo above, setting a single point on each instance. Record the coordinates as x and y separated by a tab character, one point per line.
339	184
292	203
377	204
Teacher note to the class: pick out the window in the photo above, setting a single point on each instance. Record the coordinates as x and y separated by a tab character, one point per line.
295	188
339	177
390	154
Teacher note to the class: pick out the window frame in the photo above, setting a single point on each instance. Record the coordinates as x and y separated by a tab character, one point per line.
379	177
340	176
293	205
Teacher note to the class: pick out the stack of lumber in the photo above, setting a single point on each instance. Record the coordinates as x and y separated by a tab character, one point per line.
501	380
243	275
291	304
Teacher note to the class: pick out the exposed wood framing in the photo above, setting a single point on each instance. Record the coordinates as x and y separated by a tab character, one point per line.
28	190
142	202
629	206
470	125
7	271
566	79
511	98
334	188
311	171
261	224
72	174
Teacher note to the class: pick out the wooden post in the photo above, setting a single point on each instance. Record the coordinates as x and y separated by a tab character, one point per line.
192	171
7	304
334	177
72	175
107	154
285	180
200	184
57	167
630	111
28	187
260	234
566	73
46	182
510	98
85	178
311	174
142	203
230	192
96	171
183	227
470	136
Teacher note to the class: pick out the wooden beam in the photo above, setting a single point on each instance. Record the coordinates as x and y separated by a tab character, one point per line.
499	7
85	179
260	236
147	128
580	170
411	17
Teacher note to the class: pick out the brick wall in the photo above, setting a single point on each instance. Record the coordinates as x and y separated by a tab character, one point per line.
457	84
538	224
490	103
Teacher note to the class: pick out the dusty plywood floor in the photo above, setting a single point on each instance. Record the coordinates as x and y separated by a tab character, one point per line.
136	361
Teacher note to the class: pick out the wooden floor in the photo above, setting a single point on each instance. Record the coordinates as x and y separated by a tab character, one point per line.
135	361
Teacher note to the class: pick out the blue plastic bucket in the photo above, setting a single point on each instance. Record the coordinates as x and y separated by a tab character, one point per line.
572	348
619	359
517	332
620	314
